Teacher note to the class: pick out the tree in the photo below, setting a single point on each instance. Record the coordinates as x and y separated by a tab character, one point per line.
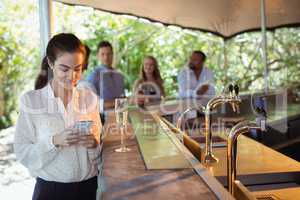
237	60
18	58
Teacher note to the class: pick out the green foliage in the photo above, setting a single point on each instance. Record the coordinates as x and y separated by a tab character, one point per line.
236	60
9	75
17	60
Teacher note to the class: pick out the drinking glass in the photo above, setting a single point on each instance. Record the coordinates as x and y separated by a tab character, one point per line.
121	111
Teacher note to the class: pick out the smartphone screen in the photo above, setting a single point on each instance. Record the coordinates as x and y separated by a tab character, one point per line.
83	126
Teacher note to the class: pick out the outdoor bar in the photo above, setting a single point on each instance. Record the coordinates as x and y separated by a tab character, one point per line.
162	166
231	144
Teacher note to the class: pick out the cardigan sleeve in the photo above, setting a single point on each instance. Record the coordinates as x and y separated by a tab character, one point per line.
32	152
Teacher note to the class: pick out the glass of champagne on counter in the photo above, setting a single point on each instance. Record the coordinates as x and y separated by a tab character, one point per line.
121	112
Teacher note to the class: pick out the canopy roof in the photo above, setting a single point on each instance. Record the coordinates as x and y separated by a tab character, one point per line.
225	18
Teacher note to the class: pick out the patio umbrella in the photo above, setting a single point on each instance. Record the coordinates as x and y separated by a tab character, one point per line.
225	18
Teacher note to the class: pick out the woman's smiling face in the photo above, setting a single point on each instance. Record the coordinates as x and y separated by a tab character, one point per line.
67	69
149	66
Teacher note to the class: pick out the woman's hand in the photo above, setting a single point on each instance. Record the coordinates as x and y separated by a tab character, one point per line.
68	137
88	141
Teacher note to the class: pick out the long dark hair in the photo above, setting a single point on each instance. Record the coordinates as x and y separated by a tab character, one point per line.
60	43
87	55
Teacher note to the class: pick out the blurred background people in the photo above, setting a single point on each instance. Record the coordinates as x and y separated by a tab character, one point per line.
149	87
196	80
107	81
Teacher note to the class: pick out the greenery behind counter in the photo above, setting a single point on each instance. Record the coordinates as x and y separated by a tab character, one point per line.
236	60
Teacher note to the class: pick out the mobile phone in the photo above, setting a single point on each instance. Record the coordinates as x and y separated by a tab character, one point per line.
83	126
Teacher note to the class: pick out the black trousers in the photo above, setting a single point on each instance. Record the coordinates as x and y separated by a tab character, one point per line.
50	190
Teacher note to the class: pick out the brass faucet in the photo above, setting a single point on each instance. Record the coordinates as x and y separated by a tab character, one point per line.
234	101
236	131
181	117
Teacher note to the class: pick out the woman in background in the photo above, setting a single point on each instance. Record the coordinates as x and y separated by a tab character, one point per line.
149	87
62	156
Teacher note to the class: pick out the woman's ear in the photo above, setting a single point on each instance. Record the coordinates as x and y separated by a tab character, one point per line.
50	63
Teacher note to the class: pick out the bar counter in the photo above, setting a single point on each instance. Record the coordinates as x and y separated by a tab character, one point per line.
255	158
126	175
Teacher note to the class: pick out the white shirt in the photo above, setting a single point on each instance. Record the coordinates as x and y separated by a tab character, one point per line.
188	83
41	116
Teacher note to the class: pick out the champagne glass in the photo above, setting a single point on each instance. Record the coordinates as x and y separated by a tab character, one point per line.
121	112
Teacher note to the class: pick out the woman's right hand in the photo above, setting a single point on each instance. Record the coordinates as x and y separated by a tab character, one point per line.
67	137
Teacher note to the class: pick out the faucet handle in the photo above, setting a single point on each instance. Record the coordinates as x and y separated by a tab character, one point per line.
261	118
230	88
223	91
263	126
236	90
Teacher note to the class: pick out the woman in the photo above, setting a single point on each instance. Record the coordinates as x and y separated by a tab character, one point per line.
149	87
60	155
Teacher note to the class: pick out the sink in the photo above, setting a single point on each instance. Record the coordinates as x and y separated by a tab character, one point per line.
274	187
201	139
217	141
286	193
265	179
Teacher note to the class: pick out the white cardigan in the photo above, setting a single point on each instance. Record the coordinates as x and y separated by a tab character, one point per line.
41	116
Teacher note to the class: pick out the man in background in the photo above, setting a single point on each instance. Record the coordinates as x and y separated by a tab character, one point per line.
107	81
196	80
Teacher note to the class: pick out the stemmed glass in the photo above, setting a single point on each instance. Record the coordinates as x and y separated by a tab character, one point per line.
121	111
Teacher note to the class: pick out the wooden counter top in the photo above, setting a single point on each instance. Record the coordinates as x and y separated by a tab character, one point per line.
258	162
126	178
254	158
125	175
